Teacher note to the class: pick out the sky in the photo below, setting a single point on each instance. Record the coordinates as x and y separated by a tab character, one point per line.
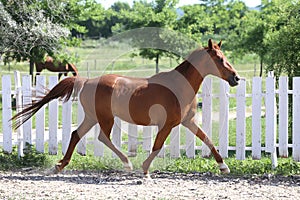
108	3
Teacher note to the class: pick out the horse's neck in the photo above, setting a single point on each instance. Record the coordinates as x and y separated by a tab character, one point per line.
191	73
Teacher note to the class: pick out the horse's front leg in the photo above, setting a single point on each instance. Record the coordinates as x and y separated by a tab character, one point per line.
106	125
105	140
200	134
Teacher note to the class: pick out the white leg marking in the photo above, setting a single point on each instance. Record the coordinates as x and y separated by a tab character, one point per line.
224	168
128	166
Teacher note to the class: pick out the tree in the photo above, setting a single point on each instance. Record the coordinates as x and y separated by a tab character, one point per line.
284	54
236	12
119	6
251	38
194	22
70	13
213	19
272	33
95	22
26	34
115	21
33	28
158	13
85	17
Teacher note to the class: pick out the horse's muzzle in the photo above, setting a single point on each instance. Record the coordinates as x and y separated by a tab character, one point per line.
233	80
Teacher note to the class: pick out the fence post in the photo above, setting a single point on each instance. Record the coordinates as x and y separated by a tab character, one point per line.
40	115
18	91
53	119
224	122
271	119
81	146
241	121
66	124
6	113
190	143
283	116
162	151
147	138
27	100
175	142
207	113
117	134
98	146
296	119
256	117
132	139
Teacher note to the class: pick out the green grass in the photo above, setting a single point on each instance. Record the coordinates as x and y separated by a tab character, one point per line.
232	128
286	166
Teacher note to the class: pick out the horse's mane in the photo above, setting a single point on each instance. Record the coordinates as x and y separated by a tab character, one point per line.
192	57
183	68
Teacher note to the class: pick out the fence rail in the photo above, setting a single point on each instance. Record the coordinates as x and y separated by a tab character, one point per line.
274	102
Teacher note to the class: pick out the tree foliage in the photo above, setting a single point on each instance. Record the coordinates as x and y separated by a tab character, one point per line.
25	33
30	29
213	19
160	14
284	40
272	33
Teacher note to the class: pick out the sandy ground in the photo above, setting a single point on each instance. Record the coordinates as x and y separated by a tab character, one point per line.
35	184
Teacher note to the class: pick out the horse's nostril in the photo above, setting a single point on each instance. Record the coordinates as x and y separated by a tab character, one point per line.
236	78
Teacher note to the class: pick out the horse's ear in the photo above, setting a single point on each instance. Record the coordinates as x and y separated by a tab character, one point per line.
220	44
210	44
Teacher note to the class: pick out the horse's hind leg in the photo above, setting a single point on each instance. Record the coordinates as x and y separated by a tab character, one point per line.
104	137
84	127
200	134
158	143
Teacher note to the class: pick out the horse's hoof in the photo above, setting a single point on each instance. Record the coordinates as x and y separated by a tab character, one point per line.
128	166
57	168
147	176
224	168
225	171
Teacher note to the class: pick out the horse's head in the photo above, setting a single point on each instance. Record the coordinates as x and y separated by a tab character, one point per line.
220	66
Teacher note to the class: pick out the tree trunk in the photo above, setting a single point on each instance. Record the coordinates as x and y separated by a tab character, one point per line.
261	66
31	68
156	62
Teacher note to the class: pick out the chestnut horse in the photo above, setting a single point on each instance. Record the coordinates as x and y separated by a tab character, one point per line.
60	67
165	100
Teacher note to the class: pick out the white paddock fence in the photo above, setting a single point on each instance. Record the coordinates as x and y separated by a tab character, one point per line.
275	138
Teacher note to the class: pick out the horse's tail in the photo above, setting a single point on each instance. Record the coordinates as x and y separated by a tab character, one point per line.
63	89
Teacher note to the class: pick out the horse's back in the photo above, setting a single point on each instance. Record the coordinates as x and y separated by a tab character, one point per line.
134	100
140	101
109	90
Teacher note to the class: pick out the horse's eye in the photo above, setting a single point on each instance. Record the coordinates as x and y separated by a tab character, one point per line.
221	60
